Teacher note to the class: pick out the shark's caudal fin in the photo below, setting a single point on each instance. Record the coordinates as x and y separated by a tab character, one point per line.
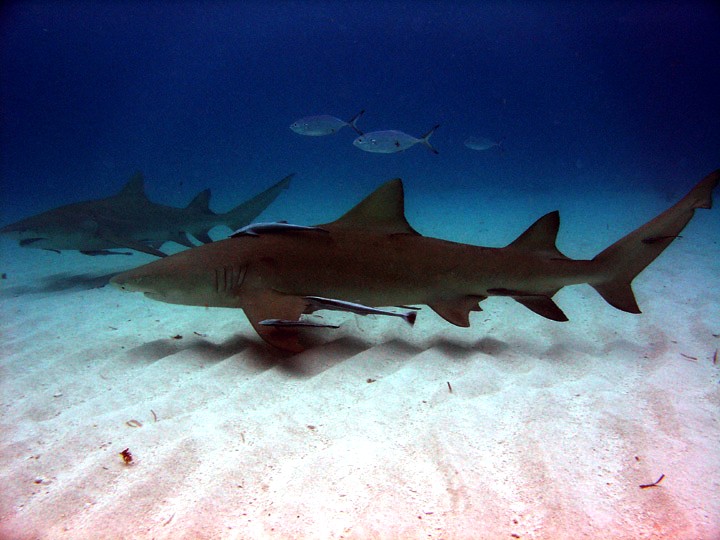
246	212
620	263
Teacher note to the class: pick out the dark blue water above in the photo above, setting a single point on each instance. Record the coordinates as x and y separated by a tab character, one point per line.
202	94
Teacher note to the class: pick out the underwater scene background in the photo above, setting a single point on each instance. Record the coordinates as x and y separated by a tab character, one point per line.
517	427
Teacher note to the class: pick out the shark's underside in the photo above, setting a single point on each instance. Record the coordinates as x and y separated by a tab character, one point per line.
130	220
372	257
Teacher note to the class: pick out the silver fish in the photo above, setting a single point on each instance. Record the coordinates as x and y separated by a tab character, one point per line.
324	124
391	141
316	303
255	229
483	143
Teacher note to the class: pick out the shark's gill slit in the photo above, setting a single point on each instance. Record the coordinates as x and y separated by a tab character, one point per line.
228	278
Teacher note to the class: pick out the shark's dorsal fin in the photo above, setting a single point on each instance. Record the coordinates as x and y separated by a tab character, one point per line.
201	202
135	187
541	236
382	211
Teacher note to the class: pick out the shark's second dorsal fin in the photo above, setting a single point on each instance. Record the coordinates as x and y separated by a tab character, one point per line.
382	211
135	187
541	236
201	202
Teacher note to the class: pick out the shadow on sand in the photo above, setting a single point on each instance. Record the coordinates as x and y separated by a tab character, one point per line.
65	281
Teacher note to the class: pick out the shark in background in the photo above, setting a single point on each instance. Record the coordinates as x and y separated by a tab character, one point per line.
372	257
130	220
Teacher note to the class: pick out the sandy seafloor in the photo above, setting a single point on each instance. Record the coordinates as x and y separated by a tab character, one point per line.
548	432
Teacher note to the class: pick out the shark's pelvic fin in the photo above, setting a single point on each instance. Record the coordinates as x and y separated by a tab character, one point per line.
457	310
119	241
618	265
383	211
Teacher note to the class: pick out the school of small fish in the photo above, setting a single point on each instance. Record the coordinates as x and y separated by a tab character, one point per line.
386	141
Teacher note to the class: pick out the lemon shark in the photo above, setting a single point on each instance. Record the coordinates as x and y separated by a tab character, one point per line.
371	256
130	220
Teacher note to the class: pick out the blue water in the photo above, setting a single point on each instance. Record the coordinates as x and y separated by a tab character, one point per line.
202	95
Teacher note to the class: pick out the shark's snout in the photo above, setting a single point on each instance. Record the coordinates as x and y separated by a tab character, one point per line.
126	282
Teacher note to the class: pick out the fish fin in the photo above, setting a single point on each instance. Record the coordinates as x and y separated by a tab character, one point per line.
263	305
382	211
353	122
130	243
97	252
542	304
134	188
425	139
457	310
618	294
203	237
282	323
201	203
246	212
541	236
182	238
618	265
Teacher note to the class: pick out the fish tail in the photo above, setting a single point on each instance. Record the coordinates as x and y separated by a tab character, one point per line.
425	139
619	264
353	122
410	317
245	213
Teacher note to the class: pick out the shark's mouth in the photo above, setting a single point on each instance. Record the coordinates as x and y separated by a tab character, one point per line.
28	241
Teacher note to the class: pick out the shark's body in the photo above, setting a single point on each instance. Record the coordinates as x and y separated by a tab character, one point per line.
130	220
372	256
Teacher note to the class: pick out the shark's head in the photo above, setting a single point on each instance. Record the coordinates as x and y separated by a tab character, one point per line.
186	278
53	230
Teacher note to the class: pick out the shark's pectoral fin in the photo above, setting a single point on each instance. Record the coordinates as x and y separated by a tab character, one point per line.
262	306
457	310
542	304
130	243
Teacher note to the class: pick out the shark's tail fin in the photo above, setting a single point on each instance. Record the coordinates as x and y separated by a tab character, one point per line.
245	213
620	263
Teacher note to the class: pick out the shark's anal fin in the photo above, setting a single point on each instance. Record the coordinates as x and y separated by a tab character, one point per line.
542	304
264	305
457	310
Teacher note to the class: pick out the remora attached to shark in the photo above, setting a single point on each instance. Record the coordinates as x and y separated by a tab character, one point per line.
372	256
130	220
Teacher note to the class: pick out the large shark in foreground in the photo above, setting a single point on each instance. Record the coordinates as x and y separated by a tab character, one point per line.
372	257
130	220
